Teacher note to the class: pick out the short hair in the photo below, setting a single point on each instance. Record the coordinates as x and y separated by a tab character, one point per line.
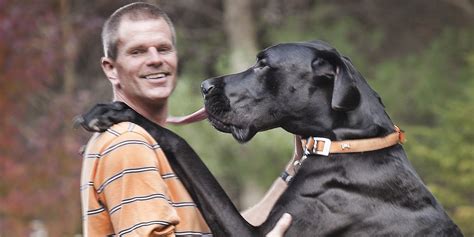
134	11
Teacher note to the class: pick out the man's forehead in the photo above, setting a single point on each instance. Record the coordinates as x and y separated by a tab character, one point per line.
142	23
135	33
129	29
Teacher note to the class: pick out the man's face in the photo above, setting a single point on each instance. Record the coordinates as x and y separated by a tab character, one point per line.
146	63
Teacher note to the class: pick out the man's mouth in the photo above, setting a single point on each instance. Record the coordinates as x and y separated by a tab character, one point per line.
156	76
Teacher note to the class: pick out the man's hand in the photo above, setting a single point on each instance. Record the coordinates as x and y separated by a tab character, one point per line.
297	154
298	149
281	226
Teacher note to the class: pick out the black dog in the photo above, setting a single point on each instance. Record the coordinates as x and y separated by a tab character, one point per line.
309	89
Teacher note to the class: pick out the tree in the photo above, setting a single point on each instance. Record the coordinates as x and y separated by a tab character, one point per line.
241	34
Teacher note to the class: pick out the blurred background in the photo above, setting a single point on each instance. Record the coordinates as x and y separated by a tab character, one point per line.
419	56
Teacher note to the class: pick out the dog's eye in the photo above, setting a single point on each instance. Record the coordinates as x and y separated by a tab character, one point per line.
320	62
261	64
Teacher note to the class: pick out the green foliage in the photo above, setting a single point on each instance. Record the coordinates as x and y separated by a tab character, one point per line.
424	80
342	32
443	155
431	94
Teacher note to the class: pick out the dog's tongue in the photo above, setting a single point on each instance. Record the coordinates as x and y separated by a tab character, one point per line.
194	117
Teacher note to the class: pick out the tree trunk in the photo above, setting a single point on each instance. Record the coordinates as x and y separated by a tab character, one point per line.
240	29
241	35
69	47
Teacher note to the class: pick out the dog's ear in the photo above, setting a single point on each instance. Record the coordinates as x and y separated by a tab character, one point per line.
345	96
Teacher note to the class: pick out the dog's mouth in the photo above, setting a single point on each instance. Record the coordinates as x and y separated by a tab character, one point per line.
241	134
197	116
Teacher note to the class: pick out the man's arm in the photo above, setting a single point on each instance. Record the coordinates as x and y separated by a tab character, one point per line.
258	213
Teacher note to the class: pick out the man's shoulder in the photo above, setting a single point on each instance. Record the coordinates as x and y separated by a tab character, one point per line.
124	128
120	133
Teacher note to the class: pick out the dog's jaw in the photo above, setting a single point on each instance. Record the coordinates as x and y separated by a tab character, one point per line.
241	134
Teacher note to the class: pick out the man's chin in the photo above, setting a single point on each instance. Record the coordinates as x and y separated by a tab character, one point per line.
159	94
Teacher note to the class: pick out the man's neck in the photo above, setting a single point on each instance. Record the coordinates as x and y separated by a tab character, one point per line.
156	112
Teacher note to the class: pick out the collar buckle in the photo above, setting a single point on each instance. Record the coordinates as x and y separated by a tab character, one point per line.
326	147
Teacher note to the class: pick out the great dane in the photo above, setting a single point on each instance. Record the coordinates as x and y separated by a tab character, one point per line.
355	179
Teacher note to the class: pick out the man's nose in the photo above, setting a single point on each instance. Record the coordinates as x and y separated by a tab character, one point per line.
154	57
207	87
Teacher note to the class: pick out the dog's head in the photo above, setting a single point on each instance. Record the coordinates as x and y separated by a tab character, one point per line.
290	85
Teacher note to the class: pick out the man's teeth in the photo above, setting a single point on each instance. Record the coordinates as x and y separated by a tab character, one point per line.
155	76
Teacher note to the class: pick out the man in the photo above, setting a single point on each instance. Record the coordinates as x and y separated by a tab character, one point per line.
127	186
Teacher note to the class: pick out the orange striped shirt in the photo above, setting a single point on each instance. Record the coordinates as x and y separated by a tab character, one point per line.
129	189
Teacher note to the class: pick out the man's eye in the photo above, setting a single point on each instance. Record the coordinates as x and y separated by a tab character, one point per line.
136	52
165	49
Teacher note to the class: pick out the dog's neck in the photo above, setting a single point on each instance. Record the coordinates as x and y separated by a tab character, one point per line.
368	120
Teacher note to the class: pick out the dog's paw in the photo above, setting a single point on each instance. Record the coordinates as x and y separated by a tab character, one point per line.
102	116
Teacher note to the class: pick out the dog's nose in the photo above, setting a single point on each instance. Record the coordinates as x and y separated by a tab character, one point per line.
206	87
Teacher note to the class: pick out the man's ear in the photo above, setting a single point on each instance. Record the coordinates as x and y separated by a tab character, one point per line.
108	66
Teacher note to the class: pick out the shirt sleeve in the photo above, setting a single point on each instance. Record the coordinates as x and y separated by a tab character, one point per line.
132	190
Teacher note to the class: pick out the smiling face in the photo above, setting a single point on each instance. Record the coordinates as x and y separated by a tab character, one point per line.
144	72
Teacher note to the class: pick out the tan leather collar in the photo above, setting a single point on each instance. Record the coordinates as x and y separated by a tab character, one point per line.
324	146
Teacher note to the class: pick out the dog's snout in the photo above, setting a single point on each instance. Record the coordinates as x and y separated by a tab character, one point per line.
206	87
